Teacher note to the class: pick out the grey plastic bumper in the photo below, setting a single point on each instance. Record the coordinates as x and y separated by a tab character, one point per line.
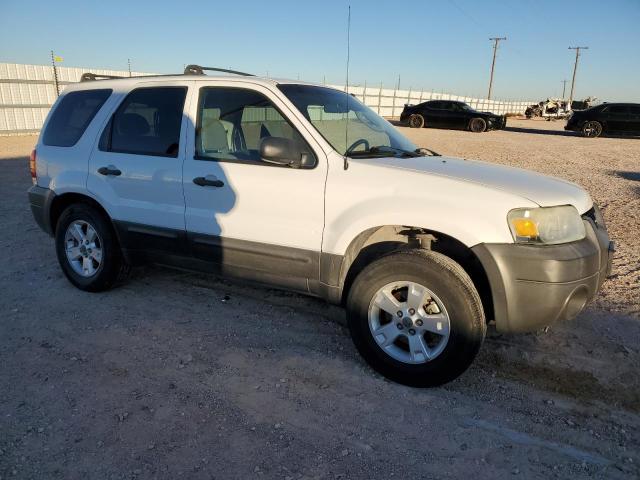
534	286
41	199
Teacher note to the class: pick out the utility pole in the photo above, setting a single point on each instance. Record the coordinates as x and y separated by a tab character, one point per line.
129	65
564	87
575	67
495	40
55	73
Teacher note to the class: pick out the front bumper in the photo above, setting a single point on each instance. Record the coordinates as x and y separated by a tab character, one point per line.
41	200
497	123
535	286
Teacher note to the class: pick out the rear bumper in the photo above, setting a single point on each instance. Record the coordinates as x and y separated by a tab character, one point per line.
41	200
535	286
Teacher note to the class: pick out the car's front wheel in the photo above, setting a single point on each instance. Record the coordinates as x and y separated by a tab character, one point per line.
592	129
478	125
416	317
87	249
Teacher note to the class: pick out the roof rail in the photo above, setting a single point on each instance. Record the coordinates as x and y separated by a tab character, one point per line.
87	77
198	70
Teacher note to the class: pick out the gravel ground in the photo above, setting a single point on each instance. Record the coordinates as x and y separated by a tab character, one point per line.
184	375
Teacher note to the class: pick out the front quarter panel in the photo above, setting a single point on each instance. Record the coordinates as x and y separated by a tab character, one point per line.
367	195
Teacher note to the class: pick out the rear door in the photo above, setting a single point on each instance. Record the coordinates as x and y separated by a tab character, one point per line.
634	119
434	114
617	118
136	168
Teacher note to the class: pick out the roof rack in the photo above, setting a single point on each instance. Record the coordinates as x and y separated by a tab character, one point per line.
198	70
87	77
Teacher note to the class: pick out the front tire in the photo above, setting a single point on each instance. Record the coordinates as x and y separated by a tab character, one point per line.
416	121
416	317
592	129
88	250
477	125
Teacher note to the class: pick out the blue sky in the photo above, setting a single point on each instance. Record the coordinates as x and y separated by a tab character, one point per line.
439	44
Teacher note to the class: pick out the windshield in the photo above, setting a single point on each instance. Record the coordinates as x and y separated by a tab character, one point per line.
355	130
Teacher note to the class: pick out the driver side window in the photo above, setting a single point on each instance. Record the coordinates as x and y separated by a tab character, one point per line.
232	122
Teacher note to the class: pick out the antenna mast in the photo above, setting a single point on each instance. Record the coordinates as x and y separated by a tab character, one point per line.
346	128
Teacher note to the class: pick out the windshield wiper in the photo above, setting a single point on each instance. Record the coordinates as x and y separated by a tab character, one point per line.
383	150
428	151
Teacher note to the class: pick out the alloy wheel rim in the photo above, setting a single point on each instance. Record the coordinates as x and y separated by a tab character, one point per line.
409	322
83	247
591	129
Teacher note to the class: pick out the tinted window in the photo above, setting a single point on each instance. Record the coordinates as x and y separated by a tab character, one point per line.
232	122
435	105
634	110
72	117
618	109
147	123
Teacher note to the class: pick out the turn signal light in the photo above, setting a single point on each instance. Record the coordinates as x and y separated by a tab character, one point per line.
32	166
525	227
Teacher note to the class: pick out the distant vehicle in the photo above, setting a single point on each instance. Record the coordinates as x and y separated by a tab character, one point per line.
621	118
550	108
450	114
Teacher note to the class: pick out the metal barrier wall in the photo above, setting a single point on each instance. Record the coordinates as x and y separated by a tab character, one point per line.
27	92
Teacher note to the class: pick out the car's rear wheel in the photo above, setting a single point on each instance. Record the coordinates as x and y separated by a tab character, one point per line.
592	129
416	121
87	249
477	125
416	317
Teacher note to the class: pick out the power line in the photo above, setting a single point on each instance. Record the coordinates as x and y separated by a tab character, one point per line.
575	68
495	40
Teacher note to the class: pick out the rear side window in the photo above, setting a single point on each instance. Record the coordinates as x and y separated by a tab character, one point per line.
619	109
72	117
147	123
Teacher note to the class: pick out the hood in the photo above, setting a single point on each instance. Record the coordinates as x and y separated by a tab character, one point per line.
541	189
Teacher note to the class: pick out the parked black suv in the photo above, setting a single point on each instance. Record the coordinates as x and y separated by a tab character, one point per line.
450	114
621	118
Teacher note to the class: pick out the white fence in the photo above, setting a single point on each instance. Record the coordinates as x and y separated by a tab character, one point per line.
28	91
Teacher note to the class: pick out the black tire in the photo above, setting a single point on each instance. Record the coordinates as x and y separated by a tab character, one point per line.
592	129
478	125
112	266
451	284
416	121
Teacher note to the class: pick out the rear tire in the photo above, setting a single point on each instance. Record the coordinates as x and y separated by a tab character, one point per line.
88	250
592	129
416	121
456	301
477	125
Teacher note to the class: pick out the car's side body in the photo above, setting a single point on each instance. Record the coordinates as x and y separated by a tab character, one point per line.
615	118
313	229
451	114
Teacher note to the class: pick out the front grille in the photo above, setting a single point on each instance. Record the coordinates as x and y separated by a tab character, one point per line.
590	214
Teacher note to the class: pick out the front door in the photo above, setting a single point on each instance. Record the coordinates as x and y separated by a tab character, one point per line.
249	217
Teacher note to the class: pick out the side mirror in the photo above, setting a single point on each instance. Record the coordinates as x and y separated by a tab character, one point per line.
285	152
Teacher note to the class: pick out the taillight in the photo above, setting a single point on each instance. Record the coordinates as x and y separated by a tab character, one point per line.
32	166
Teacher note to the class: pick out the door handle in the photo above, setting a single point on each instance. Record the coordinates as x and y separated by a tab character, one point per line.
110	170
208	181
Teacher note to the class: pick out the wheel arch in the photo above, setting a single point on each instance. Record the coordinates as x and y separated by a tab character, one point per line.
60	202
375	242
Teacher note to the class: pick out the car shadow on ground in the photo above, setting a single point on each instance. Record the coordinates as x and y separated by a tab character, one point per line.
632	176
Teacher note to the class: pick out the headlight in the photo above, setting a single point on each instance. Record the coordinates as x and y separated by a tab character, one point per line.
549	225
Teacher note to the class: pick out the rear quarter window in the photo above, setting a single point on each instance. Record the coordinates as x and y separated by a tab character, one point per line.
72	117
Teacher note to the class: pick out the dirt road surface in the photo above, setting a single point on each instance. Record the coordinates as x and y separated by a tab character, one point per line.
181	375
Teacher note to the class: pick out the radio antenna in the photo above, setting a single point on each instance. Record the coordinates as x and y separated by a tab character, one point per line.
346	127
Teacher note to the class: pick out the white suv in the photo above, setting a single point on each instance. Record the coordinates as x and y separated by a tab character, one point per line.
302	187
